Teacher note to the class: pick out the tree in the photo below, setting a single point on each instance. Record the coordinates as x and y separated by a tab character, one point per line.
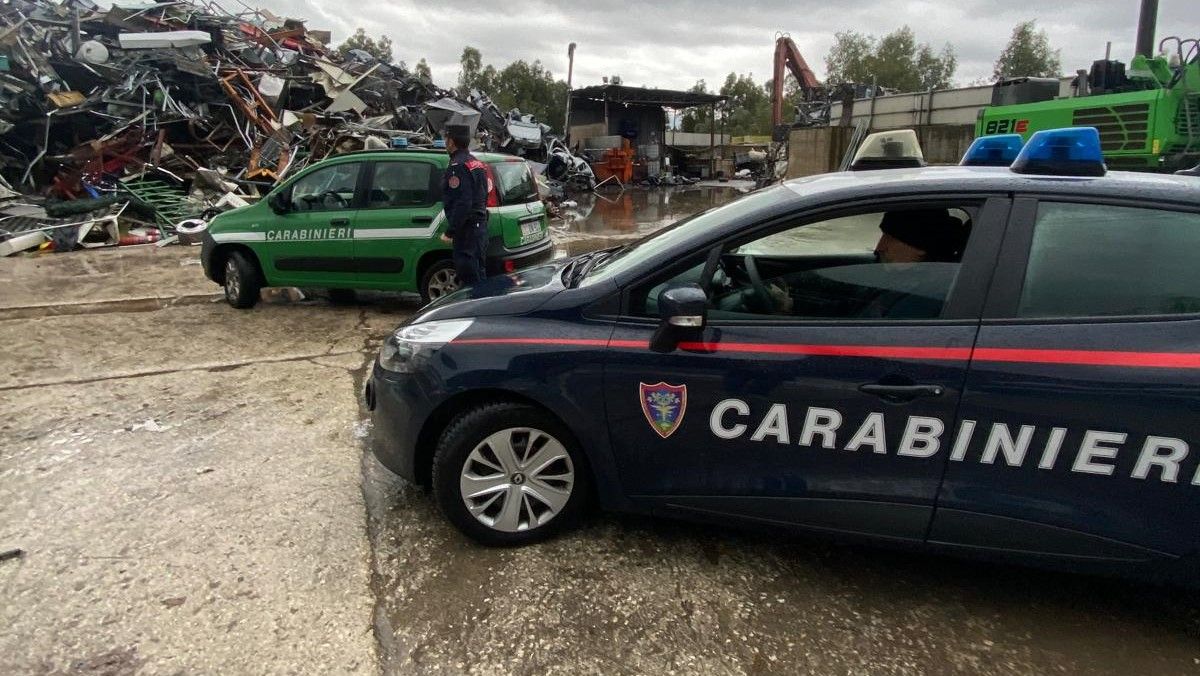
1028	54
894	61
422	71
746	110
380	49
473	74
849	58
472	70
522	85
532	89
697	117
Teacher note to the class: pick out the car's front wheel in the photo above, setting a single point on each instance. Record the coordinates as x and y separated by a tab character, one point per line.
241	281
508	474
439	279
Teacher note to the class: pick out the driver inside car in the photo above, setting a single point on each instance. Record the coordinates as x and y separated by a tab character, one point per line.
915	260
920	235
918	252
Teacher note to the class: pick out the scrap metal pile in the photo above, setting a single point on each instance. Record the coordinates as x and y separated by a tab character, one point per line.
135	123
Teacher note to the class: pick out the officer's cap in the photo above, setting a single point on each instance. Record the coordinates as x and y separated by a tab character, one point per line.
933	231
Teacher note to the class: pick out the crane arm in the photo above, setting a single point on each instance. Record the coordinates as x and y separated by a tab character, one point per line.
788	55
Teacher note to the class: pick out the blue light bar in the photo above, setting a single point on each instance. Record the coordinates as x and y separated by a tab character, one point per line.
400	142
1074	151
993	151
439	143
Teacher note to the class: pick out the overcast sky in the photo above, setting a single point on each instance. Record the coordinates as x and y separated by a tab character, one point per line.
672	43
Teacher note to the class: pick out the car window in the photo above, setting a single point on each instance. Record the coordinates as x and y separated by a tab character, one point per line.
514	182
326	189
895	264
400	184
1094	260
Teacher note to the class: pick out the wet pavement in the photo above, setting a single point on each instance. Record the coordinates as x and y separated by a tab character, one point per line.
193	490
609	218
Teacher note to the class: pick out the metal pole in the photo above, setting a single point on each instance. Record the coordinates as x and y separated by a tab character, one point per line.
874	95
75	39
570	73
712	141
1147	18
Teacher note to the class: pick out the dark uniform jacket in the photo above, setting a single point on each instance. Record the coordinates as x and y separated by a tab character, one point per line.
464	193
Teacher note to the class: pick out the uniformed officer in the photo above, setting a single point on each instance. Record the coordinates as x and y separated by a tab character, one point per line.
464	198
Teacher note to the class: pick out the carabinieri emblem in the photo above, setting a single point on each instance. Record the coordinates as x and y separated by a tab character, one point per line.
664	406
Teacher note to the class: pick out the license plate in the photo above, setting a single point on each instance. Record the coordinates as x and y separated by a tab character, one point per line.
531	228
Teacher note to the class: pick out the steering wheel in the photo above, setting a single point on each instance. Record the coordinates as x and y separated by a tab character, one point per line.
759	300
334	194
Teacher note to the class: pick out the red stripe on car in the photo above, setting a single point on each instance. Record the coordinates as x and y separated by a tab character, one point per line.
1182	360
1175	360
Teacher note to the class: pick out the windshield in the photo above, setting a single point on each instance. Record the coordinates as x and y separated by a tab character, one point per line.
656	246
514	182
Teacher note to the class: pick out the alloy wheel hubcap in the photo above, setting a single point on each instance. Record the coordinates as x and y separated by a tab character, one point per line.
517	479
442	282
233	285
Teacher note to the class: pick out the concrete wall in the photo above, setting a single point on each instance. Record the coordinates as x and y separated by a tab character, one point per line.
817	150
944	106
944	121
945	144
681	139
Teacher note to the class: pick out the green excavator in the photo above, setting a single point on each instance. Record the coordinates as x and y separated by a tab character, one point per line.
1148	114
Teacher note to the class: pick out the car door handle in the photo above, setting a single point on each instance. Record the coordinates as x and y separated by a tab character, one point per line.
422	220
339	221
901	392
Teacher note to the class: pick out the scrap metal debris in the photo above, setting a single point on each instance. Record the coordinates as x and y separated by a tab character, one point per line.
157	114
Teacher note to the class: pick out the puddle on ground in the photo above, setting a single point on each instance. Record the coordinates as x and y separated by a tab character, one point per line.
605	219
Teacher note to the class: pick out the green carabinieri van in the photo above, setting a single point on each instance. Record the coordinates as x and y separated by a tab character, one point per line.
370	220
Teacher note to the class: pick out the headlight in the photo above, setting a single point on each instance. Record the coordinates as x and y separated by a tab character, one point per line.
408	343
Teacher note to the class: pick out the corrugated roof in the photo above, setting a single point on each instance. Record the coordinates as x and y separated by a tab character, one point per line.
668	98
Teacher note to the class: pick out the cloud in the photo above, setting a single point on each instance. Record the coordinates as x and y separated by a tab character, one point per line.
672	44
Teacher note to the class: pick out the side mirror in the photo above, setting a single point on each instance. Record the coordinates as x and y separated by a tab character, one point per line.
684	310
279	202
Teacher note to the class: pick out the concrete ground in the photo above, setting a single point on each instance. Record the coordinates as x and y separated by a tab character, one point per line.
184	479
191	489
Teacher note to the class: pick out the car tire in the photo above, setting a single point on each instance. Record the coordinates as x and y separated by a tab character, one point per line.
242	285
439	279
508	474
342	296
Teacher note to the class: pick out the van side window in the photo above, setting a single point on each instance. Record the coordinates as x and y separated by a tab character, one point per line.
400	184
1090	260
327	189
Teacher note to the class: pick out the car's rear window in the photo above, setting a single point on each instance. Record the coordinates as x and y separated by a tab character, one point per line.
1090	260
514	182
